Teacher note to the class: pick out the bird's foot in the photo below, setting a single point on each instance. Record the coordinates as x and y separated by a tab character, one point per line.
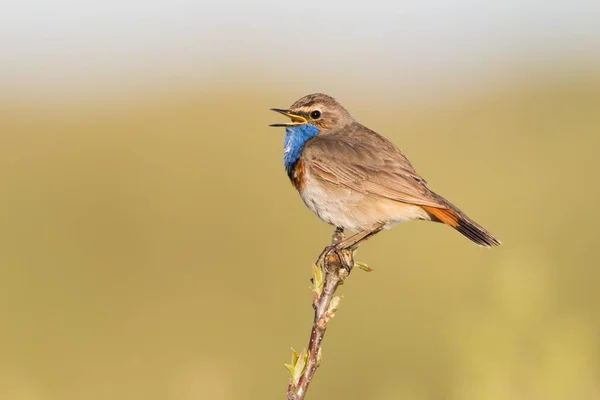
341	251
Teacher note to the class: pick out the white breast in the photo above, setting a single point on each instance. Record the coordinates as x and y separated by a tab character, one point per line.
354	211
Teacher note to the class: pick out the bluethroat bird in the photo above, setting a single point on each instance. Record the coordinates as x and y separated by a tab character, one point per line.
355	179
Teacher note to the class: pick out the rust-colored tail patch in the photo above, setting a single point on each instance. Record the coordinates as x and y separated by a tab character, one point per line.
444	215
465	225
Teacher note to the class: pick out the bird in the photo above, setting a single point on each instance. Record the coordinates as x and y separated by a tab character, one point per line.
357	180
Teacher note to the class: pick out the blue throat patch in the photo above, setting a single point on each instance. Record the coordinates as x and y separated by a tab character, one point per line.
295	139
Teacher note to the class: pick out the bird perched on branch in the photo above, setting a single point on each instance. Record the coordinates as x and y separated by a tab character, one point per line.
355	179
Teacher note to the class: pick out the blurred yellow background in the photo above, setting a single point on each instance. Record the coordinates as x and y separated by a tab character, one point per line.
152	247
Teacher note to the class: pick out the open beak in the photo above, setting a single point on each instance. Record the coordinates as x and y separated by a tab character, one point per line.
296	119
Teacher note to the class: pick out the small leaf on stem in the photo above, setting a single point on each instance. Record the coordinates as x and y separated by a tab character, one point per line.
290	367
363	266
298	365
318	280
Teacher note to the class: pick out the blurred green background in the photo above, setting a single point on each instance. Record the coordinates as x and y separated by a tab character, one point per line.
152	247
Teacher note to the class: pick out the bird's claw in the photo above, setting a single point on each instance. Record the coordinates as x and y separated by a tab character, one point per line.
339	252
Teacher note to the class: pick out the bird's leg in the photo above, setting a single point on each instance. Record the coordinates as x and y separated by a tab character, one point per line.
354	241
357	240
351	244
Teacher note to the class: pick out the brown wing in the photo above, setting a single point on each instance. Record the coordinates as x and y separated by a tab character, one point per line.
362	160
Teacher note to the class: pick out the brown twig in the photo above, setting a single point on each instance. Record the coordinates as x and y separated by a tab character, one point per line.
326	280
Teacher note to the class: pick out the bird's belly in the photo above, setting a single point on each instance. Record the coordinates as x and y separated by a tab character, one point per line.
352	210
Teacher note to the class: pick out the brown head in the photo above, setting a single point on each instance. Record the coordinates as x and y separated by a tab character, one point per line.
319	110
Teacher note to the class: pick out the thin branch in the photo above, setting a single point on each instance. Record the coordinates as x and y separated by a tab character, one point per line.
326	280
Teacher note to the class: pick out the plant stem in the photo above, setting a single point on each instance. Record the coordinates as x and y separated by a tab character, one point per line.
324	304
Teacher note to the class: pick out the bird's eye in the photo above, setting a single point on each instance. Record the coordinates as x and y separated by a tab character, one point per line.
315	114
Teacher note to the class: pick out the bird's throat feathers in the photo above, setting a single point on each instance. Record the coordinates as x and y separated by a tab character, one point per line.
295	139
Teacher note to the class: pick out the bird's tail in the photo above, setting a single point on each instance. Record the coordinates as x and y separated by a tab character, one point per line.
455	218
